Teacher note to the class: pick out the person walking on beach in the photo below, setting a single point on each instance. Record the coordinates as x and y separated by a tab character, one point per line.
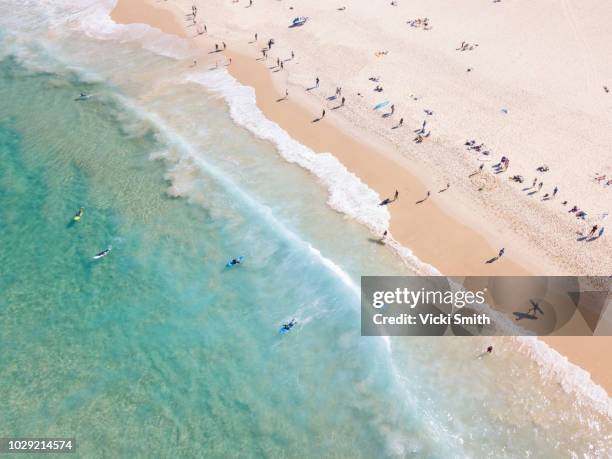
323	114
392	109
343	100
555	191
255	36
216	47
224	46
386	201
499	255
488	351
593	231
282	66
292	55
422	130
316	82
401	122
425	198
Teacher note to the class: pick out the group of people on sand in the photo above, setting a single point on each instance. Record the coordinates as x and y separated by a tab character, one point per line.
191	17
422	133
478	148
420	23
502	165
537	185
465	46
601	179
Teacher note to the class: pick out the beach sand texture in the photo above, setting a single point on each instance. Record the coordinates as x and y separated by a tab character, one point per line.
534	93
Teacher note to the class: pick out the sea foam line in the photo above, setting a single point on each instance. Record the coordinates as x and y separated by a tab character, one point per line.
571	377
244	111
93	18
347	194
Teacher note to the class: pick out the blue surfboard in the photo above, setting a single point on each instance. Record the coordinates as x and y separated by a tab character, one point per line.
381	105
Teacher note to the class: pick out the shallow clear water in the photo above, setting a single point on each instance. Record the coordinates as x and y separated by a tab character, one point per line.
158	349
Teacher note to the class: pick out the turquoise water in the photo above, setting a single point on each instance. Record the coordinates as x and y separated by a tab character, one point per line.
158	350
159	332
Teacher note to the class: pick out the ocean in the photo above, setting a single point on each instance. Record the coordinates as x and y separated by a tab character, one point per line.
159	349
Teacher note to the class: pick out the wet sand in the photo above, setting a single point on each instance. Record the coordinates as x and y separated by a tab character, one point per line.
441	231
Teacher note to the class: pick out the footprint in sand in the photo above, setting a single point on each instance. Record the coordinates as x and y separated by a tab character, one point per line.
483	182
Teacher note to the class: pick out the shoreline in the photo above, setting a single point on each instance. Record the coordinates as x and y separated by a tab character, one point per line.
453	247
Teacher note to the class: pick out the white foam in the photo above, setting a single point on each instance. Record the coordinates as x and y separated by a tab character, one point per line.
184	149
572	378
347	193
92	17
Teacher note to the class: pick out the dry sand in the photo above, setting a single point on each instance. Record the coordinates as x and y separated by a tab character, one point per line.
549	120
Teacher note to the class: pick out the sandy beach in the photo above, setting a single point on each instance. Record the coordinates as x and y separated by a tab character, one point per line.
511	103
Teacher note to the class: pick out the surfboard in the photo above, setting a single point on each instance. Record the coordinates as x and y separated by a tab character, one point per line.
229	262
381	105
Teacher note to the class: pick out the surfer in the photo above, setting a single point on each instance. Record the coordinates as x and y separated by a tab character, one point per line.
103	253
288	326
78	215
235	261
